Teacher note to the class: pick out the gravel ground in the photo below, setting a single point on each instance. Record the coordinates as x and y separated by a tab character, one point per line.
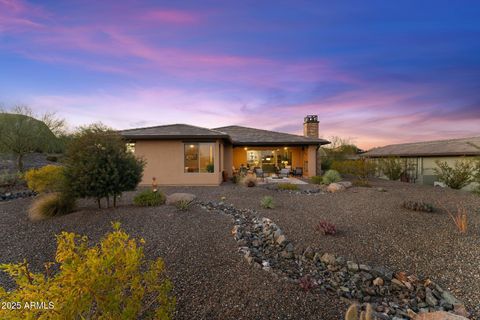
375	229
212	281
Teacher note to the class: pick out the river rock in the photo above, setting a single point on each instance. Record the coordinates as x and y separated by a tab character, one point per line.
328	258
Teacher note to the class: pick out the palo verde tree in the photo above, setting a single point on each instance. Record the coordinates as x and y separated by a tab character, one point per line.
22	132
98	165
392	167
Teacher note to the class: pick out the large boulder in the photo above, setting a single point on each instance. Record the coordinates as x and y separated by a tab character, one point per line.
346	184
178	197
335	187
439	315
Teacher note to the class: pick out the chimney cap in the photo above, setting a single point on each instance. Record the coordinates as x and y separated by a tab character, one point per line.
311	119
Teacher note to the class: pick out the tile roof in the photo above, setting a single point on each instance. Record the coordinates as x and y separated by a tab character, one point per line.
235	134
452	147
251	136
172	131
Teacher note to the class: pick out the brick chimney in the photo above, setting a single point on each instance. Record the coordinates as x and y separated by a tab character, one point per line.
310	126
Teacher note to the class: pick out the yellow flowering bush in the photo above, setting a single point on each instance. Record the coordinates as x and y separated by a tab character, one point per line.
109	281
44	179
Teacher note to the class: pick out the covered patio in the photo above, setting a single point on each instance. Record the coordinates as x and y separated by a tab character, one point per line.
272	159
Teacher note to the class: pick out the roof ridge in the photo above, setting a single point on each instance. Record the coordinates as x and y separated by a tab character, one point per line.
279	132
427	142
168	125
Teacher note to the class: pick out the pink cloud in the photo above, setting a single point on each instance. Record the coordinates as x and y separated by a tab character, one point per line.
172	16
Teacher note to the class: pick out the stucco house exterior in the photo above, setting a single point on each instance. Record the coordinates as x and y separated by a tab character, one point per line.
181	154
420	157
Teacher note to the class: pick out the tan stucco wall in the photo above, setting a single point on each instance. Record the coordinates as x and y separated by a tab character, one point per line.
228	159
165	161
312	161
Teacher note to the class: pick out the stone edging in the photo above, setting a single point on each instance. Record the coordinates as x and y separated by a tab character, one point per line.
393	296
16	195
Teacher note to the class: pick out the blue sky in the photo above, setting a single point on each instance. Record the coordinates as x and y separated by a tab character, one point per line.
378	72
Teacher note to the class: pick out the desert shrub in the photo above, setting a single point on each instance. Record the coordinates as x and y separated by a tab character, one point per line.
418	206
456	177
307	283
316	179
112	280
459	217
331	176
287	186
391	167
45	179
183	205
149	198
249	181
51	204
98	165
362	169
267	202
9	180
327	228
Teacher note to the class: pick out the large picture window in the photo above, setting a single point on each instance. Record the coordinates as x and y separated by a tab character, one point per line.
199	157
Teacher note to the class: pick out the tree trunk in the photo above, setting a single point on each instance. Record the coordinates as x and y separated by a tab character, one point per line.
20	162
99	203
114	200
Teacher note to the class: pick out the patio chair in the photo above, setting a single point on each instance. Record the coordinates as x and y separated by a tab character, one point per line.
259	173
284	173
298	172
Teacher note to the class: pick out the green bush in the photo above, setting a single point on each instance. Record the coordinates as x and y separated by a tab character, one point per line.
287	186
45	179
267	202
9	180
98	165
391	167
316	179
331	176
210	167
51	204
149	198
111	280
458	176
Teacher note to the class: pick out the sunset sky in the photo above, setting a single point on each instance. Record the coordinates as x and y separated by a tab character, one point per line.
378	72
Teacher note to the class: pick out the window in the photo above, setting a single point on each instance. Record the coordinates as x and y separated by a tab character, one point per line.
199	157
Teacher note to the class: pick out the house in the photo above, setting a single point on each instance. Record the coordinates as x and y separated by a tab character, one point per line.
419	158
181	154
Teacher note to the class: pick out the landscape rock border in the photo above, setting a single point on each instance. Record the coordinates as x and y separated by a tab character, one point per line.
8	196
393	296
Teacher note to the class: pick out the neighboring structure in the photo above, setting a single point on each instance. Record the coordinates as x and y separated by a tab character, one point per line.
181	154
420	157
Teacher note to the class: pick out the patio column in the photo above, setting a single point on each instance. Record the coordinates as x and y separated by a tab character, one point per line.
312	160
